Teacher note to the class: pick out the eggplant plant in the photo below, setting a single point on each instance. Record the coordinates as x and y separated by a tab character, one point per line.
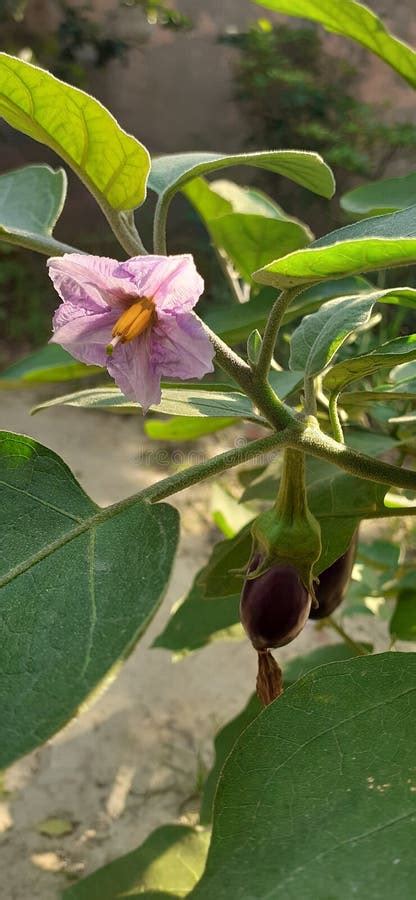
312	792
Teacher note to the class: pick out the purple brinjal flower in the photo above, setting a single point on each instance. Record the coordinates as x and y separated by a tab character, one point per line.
133	317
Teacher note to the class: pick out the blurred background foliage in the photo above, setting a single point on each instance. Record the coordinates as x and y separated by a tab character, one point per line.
291	91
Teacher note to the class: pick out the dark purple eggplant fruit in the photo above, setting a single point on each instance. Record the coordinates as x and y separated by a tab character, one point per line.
333	583
274	606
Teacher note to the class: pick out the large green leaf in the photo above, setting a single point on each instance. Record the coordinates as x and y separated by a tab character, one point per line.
377	197
245	224
78	585
320	335
227	737
374	243
251	242
170	173
400	350
316	799
167	864
356	21
175	402
50	364
112	163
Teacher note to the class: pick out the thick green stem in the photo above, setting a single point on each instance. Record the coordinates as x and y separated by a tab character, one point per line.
271	331
312	440
335	419
160	224
291	500
123	227
181	480
39	244
309	399
264	397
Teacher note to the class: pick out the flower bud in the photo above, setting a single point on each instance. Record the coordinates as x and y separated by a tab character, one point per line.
274	606
333	583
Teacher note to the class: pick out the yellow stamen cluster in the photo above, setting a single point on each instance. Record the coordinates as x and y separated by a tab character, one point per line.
132	322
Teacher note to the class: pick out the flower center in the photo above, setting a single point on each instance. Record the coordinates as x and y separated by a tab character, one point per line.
132	322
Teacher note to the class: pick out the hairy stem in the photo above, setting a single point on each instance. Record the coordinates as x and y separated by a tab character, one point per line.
178	482
271	331
160	224
335	419
123	227
312	440
309	399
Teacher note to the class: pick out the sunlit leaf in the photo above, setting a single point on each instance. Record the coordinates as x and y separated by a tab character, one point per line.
375	243
320	335
167	864
112	163
50	364
386	356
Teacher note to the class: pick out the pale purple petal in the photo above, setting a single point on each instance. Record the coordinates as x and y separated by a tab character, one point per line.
89	281
84	336
180	347
133	371
171	281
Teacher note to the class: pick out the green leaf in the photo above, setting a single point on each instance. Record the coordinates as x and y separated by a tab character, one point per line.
400	350
313	297
78	585
31	199
232	328
184	428
356	21
378	197
175	402
112	163
309	804
251	242
229	515
367	398
375	243
227	737
50	364
170	173
167	864
320	335
199	620
245	224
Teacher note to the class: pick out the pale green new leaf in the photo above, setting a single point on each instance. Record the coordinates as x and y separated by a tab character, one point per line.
185	428
112	163
252	241
374	243
378	197
321	334
356	21
175	402
316	799
400	350
168	864
78	585
170	173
